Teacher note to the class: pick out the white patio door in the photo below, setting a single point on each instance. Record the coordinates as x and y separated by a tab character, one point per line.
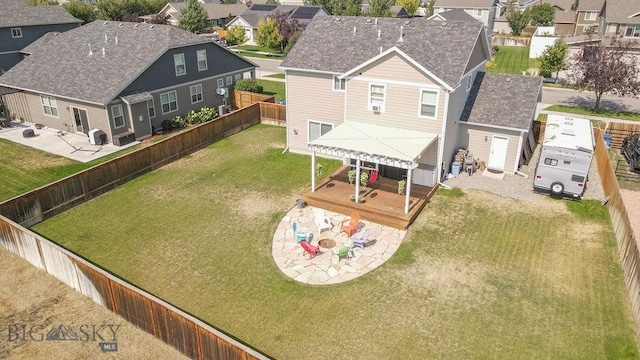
498	153
81	120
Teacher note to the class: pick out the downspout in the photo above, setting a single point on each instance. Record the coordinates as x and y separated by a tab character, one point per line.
442	137
286	120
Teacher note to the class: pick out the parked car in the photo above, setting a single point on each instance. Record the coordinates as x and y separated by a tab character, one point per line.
631	151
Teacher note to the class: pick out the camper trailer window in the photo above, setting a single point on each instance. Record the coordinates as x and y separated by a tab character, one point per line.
552	162
567	162
577	178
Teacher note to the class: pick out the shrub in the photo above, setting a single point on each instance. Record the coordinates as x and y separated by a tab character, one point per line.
545	73
250	85
193	118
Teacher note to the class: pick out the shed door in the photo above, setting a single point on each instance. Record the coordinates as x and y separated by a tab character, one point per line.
498	154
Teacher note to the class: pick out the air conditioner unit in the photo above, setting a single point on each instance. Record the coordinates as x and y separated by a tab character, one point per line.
375	108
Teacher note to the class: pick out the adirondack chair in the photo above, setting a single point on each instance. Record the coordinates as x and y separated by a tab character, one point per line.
321	221
343	252
300	233
361	240
373	179
352	226
310	249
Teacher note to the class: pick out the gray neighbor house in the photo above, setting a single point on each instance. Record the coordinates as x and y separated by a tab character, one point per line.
21	24
122	78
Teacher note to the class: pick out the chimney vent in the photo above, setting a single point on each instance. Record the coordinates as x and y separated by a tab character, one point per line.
355	29
90	51
375	21
379	32
104	52
401	38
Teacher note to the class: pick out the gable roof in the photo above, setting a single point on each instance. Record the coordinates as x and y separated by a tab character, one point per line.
214	11
426	42
485	4
561	4
18	13
258	12
590	5
395	10
622	11
488	103
565	17
453	15
129	49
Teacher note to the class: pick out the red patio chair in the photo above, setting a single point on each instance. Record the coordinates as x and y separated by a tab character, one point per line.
352	226
310	249
373	179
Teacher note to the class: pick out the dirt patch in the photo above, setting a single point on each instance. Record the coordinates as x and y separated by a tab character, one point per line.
39	162
255	205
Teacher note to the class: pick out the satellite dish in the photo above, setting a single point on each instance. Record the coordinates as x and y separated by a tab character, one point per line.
220	91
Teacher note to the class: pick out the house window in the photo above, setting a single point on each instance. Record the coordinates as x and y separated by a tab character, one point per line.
196	93
229	80
428	102
152	108
220	83
238	77
550	162
317	129
16	33
477	12
49	105
202	60
632	31
590	15
339	84
376	96
169	102
178	61
118	116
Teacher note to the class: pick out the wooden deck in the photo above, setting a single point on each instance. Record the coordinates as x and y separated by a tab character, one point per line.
382	205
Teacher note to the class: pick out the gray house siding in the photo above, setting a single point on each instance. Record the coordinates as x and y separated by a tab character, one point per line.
12	46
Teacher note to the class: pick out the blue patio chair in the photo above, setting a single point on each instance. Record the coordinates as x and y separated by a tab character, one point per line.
301	233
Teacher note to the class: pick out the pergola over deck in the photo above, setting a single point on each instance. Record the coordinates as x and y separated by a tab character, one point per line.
401	148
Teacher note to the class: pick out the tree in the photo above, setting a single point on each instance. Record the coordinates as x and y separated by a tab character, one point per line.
287	26
380	8
411	6
159	19
118	10
273	2
292	41
338	7
430	6
543	14
554	58
235	35
269	34
518	20
80	10
193	17
603	68
42	2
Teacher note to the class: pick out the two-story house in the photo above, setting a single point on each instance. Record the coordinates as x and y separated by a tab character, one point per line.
217	14
588	16
621	17
21	24
406	96
482	10
122	78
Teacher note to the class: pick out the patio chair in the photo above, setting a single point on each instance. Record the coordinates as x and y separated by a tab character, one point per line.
352	226
321	221
301	233
373	179
361	240
310	249
343	252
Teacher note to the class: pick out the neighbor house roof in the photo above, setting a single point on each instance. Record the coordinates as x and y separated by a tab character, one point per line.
443	48
489	104
565	17
18	13
65	67
622	11
562	4
590	5
42	41
396	11
464	3
454	15
214	11
258	12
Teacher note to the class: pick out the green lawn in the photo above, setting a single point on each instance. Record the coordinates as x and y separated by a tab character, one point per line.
479	277
275	88
512	60
276	76
616	114
258	48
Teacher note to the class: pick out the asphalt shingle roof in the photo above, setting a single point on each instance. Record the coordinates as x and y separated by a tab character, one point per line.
95	78
562	4
489	104
214	11
618	11
253	16
565	17
19	13
590	5
464	3
457	15
329	44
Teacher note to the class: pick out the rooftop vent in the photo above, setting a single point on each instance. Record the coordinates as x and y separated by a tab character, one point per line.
119	25
337	19
105	23
401	38
508	79
116	40
104	52
355	29
106	38
407	22
570	132
375	21
90	50
368	21
379	33
444	24
136	25
151	27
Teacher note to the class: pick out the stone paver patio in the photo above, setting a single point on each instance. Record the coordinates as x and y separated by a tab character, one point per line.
326	268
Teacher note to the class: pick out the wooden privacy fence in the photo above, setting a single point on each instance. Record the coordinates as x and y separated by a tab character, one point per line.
242	99
510	40
628	250
538	130
619	131
189	335
273	114
40	204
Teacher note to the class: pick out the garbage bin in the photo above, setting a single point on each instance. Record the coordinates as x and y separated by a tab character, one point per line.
608	139
455	168
300	204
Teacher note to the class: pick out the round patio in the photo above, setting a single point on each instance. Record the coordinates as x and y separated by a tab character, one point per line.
326	268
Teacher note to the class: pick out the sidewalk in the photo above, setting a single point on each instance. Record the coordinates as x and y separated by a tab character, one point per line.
540	109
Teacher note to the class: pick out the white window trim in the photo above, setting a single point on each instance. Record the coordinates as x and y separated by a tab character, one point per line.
229	80
384	96
238	77
317	122
220	83
343	84
191	93
477	12
175	63
153	105
206	64
162	104
16	30
435	111
55	106
113	116
595	15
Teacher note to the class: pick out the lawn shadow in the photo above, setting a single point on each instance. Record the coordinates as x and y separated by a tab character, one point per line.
587	102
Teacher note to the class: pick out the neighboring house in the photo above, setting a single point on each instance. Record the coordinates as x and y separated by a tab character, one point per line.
396	11
483	10
122	78
565	22
621	17
250	19
588	16
21	24
217	14
406	97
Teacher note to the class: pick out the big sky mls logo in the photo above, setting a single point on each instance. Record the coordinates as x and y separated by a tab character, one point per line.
104	335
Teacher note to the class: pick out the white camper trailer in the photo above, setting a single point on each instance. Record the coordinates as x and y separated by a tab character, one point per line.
565	157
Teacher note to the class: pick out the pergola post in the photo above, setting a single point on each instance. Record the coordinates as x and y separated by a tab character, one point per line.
357	195
313	169
408	193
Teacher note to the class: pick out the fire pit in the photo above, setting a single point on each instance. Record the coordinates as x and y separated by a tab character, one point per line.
326	243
